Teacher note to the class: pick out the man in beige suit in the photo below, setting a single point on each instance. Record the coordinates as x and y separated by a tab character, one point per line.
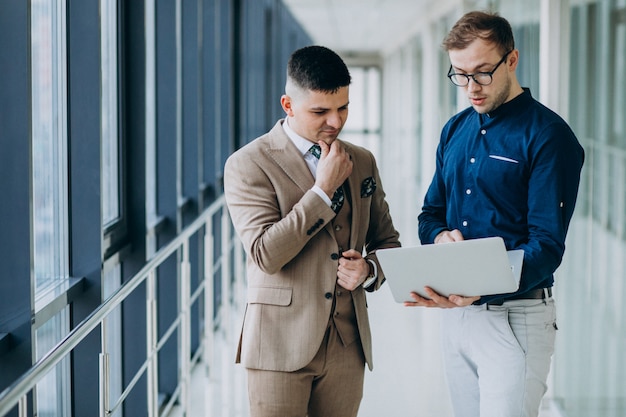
304	220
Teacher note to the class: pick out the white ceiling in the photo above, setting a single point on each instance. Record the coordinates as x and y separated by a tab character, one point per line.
361	27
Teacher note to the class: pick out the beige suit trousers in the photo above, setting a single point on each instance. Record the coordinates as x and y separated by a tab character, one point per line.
331	385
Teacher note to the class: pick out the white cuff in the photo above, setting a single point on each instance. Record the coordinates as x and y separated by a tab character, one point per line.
371	280
317	190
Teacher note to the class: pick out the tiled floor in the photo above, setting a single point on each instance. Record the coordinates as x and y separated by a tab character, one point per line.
407	379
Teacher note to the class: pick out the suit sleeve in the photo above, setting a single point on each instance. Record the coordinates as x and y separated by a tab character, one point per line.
272	233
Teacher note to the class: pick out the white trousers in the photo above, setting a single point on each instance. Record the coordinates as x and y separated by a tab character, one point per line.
497	358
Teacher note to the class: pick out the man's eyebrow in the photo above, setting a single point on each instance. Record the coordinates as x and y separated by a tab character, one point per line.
320	108
476	68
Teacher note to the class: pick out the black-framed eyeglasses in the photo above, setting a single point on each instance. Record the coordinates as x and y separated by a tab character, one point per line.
480	78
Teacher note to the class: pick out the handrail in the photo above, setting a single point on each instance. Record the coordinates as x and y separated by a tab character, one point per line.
15	393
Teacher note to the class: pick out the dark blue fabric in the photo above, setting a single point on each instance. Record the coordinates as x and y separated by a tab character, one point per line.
513	173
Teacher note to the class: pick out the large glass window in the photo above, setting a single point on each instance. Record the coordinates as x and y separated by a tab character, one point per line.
591	297
111	335
109	119
112	214
49	143
524	18
364	120
53	392
50	259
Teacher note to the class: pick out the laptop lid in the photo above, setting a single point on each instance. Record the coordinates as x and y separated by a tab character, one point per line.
467	268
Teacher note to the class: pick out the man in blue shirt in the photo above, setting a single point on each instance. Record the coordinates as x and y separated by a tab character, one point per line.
506	166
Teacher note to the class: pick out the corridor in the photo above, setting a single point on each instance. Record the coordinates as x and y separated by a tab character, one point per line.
407	380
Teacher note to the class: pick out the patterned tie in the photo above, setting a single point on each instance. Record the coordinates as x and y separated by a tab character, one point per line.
338	197
316	151
337	200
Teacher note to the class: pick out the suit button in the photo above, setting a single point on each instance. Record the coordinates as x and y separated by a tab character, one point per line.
328	295
334	256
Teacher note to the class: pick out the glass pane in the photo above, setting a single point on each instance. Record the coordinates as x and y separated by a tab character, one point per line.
619	105
111	335
452	99
593	325
363	125
356	114
49	137
49	190
524	18
53	392
373	100
109	123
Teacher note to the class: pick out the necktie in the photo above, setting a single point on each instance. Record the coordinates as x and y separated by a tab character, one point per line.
337	200
338	197
316	151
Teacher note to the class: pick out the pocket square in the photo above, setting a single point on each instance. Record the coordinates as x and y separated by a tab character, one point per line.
368	186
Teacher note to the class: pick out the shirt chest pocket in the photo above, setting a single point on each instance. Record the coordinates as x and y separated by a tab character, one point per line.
502	177
507	167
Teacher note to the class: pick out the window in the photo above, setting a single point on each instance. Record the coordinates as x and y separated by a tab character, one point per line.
109	120
53	392
112	211
49	143
363	126
49	191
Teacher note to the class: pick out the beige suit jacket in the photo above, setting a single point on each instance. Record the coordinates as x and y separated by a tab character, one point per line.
291	248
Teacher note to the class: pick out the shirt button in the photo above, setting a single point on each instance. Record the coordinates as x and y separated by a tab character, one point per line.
468	191
472	160
328	295
338	293
464	222
337	228
483	131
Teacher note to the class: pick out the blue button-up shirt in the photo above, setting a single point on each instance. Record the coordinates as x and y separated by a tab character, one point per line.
513	173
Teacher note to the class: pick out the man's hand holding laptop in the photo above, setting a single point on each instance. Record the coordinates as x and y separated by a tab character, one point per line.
436	300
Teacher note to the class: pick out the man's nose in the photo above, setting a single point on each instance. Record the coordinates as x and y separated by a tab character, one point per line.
334	120
472	85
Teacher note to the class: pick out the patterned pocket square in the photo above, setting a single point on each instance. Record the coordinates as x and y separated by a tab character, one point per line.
368	186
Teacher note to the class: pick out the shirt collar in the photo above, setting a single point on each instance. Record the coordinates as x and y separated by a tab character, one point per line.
301	143
515	105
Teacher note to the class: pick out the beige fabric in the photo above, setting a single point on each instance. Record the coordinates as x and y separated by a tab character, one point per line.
291	246
343	314
331	385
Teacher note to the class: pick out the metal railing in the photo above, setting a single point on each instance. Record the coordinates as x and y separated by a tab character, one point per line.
230	253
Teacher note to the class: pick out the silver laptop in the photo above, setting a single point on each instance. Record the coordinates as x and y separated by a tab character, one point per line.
468	268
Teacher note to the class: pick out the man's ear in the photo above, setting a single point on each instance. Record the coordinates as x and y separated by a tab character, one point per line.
513	60
285	102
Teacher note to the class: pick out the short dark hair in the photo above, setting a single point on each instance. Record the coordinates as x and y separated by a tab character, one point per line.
317	68
489	27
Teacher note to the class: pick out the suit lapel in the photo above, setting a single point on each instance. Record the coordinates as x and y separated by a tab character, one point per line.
282	150
288	158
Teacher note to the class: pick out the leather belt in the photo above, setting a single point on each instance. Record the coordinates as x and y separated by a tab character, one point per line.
538	294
